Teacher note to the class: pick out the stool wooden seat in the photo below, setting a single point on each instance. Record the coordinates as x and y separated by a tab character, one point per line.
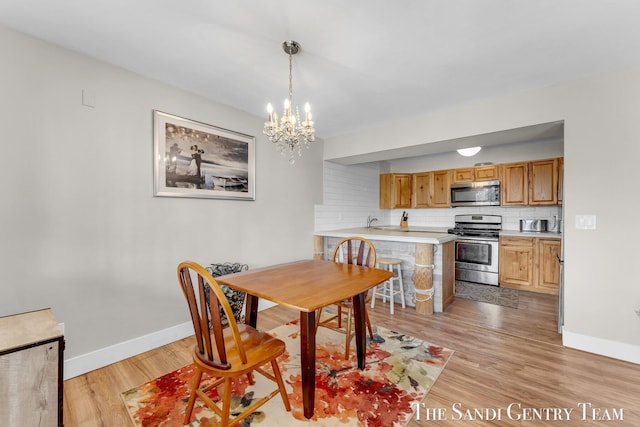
388	289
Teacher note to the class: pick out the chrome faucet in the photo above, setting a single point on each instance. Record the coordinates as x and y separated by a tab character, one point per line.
370	221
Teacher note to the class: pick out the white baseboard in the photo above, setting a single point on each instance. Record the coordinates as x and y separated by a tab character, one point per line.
614	349
105	356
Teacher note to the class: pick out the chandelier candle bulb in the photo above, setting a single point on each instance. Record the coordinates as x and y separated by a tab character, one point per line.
270	111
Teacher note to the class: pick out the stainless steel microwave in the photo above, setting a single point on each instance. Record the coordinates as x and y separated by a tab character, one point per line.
484	193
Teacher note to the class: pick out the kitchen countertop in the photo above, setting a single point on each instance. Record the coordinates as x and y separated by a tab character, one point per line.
420	234
543	234
393	233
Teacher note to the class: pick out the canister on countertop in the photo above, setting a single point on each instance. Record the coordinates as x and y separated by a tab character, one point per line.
533	225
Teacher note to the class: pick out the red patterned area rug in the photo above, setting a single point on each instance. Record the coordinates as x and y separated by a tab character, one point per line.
400	370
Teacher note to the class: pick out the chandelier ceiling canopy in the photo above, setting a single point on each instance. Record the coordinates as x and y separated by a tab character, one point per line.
290	134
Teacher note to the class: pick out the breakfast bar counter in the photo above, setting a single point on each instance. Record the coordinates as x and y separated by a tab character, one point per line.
394	233
427	255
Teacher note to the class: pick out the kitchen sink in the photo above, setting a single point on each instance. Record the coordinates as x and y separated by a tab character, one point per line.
390	228
413	229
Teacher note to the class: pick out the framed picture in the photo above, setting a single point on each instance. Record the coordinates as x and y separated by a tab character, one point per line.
194	159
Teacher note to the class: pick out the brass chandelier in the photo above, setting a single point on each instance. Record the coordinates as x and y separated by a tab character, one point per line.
290	134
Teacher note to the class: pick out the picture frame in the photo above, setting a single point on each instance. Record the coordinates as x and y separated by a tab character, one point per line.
199	160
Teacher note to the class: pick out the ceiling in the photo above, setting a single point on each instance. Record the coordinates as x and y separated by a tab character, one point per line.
362	63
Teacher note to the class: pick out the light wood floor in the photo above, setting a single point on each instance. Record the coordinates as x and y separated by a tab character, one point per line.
502	357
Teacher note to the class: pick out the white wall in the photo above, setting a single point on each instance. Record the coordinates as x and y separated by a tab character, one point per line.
601	153
82	233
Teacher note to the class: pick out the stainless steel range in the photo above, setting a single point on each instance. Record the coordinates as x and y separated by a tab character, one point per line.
477	253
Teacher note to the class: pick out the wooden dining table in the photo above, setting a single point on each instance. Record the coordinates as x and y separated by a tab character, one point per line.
307	286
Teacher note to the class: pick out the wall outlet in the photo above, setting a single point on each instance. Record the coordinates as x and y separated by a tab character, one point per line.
585	222
638	312
61	326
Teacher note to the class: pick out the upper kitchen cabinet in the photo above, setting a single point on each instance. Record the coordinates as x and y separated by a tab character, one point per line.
486	173
463	175
395	190
432	189
422	188
441	197
560	179
543	186
514	179
534	183
477	173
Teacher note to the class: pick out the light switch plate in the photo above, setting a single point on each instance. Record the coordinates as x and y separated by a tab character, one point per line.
585	222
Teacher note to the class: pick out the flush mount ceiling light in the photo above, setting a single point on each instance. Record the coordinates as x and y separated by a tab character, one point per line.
468	152
291	134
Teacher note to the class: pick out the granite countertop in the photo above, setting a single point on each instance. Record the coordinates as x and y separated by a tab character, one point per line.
393	233
543	234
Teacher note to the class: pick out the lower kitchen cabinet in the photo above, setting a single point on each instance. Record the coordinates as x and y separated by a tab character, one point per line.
31	360
530	264
549	274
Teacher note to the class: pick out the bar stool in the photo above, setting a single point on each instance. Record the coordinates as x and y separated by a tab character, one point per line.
387	289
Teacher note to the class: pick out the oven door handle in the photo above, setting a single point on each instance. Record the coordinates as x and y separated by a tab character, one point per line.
483	241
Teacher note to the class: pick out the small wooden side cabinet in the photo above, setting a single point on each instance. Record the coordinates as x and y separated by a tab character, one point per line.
31	361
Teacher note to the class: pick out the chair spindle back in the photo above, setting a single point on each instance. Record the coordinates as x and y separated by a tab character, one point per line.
355	250
205	299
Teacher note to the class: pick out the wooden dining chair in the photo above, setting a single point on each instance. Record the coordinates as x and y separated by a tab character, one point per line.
225	352
357	251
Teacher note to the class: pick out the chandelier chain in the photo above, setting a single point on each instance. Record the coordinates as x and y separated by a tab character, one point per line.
290	79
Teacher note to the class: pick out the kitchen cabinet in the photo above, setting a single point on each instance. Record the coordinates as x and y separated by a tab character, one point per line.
514	188
441	197
395	190
432	189
543	182
532	183
517	262
486	173
535	183
477	173
422	189
463	175
31	361
560	179
530	264
549	275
